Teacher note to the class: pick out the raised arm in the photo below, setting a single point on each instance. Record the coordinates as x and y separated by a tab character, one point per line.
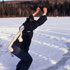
36	12
43	18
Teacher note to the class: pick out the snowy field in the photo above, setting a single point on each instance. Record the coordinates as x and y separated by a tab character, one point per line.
50	47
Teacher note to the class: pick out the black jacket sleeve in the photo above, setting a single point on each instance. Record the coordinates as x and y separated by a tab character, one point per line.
41	20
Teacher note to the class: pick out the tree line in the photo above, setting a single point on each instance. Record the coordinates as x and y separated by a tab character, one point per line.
24	9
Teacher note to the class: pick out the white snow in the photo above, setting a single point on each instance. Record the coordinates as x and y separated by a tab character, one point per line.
50	47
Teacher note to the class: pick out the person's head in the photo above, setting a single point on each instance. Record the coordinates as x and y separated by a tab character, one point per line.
30	19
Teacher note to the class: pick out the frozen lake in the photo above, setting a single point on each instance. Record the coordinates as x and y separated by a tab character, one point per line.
50	47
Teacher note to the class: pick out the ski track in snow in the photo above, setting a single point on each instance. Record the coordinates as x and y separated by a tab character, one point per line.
50	47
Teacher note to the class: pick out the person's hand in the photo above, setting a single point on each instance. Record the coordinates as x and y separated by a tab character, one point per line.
38	9
45	11
10	49
36	12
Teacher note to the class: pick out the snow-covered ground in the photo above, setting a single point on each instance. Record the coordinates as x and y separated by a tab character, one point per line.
50	47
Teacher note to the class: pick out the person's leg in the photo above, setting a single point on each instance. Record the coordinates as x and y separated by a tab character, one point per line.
19	65
26	63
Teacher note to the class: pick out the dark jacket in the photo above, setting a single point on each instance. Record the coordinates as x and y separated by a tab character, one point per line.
29	27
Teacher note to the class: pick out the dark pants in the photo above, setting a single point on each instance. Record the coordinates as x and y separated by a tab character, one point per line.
21	51
25	63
